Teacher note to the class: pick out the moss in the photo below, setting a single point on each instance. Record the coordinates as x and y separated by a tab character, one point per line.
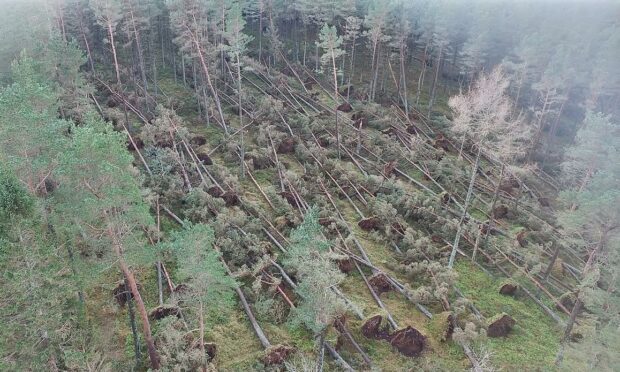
534	340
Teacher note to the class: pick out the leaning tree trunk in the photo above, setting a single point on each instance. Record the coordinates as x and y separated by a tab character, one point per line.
470	190
205	69
493	202
133	286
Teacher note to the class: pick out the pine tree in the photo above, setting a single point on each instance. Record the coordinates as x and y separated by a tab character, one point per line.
331	44
236	47
100	190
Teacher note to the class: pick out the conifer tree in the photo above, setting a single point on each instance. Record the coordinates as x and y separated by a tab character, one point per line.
100	190
331	44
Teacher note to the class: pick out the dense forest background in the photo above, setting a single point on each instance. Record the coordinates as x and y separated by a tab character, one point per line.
309	185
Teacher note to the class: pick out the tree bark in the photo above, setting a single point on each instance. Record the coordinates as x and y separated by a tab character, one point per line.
470	190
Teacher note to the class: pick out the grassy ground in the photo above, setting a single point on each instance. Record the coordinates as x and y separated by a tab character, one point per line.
533	343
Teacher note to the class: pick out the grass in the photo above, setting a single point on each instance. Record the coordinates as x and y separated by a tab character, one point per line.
534	340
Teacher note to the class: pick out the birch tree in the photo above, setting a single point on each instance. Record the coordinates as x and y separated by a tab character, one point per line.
484	116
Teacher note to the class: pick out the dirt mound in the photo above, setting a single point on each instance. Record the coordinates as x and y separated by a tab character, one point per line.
380	283
277	354
521	238
508	289
231	198
408	341
544	202
161	312
446	324
345	265
211	350
180	289
215	191
198	140
261	162
368	224
388	168
441	142
500	211
290	198
372	329
120	294
287	146
500	325
436	239
345	107
397	228
412	129
309	83
138	141
204	158
360	118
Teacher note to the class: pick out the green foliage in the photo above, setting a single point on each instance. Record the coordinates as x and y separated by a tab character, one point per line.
309	257
14	199
200	266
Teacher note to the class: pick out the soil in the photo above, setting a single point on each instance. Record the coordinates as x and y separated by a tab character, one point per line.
231	199
501	326
345	107
287	146
345	265
408	341
277	354
139	144
368	224
380	283
161	312
388	168
441	143
215	191
372	329
500	211
198	140
508	289
521	238
204	158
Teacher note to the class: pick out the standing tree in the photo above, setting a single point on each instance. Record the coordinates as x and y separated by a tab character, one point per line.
190	21
484	116
376	21
236	47
331	44
352	32
134	26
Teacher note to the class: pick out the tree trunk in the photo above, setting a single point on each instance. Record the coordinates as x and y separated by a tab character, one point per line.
422	75
321	352
470	190
203	354
493	202
336	103
352	68
434	86
241	136
205	69
403	78
132	323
